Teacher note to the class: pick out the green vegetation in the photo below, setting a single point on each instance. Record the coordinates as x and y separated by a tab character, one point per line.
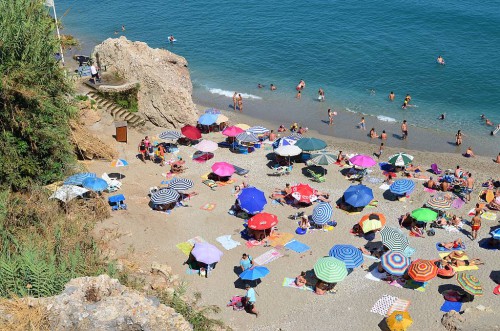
126	99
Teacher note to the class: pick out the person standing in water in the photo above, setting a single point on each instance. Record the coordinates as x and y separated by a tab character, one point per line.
235	100
299	94
321	95
404	130
458	138
330	116
362	124
440	60
301	85
240	102
392	96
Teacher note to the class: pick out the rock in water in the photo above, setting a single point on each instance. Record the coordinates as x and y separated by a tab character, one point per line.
165	90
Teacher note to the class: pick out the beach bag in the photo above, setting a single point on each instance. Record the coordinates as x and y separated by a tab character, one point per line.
431	232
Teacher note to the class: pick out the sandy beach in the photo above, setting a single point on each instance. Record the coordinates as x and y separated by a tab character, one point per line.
145	236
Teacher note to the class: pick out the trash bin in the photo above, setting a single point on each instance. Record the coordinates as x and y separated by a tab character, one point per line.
121	131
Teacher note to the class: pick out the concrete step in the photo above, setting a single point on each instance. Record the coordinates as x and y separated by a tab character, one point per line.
128	117
119	113
112	110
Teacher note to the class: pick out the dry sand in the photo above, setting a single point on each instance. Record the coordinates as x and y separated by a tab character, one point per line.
149	236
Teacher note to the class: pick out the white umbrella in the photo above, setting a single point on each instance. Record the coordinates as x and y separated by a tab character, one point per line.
288	150
221	119
68	192
206	146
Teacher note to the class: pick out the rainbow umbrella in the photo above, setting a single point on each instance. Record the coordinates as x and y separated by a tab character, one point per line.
363	161
350	255
422	270
119	163
439	202
399	321
330	269
395	263
469	283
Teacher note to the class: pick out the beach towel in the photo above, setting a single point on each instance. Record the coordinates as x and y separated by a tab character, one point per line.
267	257
450	228
414	285
429	190
458	203
464	257
190	271
208	206
372	204
451	305
280	239
290	282
383	304
442	249
411	234
210	183
384	187
375	275
297	246
398	305
252	243
227	242
462	268
229	182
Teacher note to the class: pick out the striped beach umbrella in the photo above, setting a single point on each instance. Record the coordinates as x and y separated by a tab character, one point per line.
180	184
95	184
247	137
422	270
322	213
439	202
294	136
310	144
395	263
400	159
170	135
469	283
258	130
330	269
372	222
206	146
399	321
119	163
232	131
164	196
424	215
283	142
77	179
252	200
394	239
495	234
262	221
402	187
323	158
350	255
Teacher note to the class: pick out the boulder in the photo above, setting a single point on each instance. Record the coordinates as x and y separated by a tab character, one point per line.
165	87
453	321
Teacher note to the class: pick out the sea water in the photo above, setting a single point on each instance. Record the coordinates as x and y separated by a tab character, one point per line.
357	51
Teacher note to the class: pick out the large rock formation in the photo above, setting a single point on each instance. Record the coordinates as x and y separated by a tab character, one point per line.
165	85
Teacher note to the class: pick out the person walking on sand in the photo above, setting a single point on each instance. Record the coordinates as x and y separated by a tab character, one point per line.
235	100
470	186
250	300
404	129
240	102
362	124
475	225
458	138
380	150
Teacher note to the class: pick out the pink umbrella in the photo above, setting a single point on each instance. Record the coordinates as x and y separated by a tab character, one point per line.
363	161
206	146
223	169
232	131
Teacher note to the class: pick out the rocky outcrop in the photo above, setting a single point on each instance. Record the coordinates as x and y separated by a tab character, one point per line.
165	87
102	303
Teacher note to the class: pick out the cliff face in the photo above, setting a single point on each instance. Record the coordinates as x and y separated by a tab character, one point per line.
165	85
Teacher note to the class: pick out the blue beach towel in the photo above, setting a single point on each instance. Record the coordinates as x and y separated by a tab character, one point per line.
297	246
442	249
450	305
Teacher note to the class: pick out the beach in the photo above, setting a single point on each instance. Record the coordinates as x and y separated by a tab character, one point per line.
144	236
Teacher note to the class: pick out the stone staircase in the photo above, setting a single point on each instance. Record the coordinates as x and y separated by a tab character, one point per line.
118	113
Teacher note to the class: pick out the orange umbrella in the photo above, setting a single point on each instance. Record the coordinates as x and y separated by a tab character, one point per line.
371	222
422	270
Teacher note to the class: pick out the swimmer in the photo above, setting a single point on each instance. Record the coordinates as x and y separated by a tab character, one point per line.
123	27
442	116
321	95
488	122
299	94
383	135
272	87
440	60
171	38
483	117
392	96
458	138
405	104
301	85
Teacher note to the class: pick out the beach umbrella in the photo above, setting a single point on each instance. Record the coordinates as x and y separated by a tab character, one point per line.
180	184
68	192
223	169
439	202
400	159
330	269
258	130
495	234
207	119
232	131
294	136
372	222
119	163
206	253
77	179
310	144
191	132
252	200
283	142
304	193
394	239
212	111
95	184
424	215
164	196
402	186
247	137
358	195
422	270
323	158
243	126
170	135
322	213
399	321
262	221
489	216
469	283
395	263
350	255
363	161
206	146
288	150
254	273
221	119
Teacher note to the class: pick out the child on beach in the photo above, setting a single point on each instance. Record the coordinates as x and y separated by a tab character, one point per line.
361	124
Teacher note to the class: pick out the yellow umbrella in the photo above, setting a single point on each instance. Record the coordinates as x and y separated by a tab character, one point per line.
399	321
243	126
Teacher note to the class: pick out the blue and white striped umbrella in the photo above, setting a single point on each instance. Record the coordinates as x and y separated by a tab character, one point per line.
95	184
350	255
402	186
283	142
164	196
496	234
295	136
170	135
77	179
258	130
322	213
207	119
180	184
247	137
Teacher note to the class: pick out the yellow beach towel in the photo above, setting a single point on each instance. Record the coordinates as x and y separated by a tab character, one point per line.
463	258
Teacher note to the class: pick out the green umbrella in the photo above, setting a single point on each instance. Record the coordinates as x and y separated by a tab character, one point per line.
330	269
310	144
323	158
469	283
424	215
400	159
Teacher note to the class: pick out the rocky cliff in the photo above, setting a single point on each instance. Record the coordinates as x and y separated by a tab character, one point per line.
165	85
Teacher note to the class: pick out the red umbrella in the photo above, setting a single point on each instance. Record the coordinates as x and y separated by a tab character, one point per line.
262	221
304	193
422	270
232	131
223	169
191	132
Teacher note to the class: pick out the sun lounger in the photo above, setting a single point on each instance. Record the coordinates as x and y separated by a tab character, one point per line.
113	184
316	177
282	170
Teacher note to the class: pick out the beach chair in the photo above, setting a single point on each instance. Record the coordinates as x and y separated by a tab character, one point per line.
117	202
435	169
316	177
282	170
112	182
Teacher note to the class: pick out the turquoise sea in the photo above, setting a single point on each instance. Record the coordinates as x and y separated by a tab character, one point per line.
357	51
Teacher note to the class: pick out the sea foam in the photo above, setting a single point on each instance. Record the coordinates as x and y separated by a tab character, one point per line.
386	118
229	94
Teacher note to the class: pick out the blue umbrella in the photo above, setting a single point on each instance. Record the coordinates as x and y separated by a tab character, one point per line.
311	144
254	273
252	200
77	179
358	195
350	255
496	234
95	184
207	119
322	213
402	186
283	142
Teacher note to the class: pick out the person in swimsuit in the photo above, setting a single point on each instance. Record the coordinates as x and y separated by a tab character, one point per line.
281	128
373	133
304	222
240	102
301	85
280	194
404	129
469	152
475	225
383	135
235	100
470	186
440	60
143	151
300	280
458	138
392	96
299	94
330	116
321	95
273	87
498	159
362	124
453	244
